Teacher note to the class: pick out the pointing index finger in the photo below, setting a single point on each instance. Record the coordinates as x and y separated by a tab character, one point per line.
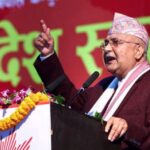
43	25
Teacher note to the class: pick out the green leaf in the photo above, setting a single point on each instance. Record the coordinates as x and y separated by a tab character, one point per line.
59	99
7	102
98	117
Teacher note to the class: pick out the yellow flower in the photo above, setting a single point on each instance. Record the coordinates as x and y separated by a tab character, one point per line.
34	97
44	97
22	111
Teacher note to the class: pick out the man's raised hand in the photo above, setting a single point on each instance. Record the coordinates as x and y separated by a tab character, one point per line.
44	42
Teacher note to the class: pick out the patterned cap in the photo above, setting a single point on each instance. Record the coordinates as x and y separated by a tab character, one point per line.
128	25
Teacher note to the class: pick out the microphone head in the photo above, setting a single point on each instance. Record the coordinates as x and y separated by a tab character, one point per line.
90	80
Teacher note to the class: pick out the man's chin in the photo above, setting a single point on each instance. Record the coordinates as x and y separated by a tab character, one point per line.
111	69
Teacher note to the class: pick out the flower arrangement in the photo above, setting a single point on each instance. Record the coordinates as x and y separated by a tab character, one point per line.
9	97
26	99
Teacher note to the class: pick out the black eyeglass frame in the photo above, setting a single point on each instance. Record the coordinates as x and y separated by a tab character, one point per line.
115	42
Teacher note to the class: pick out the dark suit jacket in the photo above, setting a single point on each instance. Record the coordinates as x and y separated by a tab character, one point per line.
135	108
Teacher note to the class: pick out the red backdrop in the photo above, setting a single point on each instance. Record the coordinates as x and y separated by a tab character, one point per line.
78	28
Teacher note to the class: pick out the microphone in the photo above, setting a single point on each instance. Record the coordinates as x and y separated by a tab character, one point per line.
89	81
52	86
85	85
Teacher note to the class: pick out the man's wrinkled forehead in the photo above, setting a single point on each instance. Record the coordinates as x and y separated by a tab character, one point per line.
128	25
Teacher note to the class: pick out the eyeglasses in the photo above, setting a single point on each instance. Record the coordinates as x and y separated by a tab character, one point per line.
115	43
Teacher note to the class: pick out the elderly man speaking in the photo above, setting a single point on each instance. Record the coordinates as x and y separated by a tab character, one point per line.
124	98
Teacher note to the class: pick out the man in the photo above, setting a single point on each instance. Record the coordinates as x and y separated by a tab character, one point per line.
124	98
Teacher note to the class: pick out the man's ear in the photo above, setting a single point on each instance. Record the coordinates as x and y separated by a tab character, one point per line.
139	52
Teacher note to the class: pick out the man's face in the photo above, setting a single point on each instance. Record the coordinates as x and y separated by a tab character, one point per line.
119	53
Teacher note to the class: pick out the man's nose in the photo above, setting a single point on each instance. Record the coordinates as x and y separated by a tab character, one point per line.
107	48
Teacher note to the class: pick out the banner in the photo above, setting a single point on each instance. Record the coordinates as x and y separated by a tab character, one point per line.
33	133
78	28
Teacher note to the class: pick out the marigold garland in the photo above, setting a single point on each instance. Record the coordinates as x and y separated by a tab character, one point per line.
23	110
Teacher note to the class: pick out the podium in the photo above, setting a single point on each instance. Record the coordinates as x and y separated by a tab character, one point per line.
74	131
70	130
